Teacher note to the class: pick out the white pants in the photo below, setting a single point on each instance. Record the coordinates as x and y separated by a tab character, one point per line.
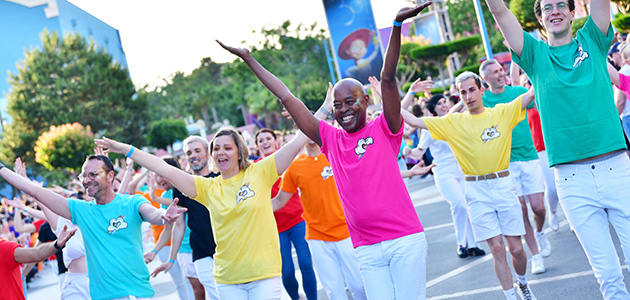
205	267
184	289
75	286
334	262
270	288
186	264
551	194
527	177
451	186
591	195
395	269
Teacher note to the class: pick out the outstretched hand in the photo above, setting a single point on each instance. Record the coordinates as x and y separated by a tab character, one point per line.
165	267
422	86
14	202
408	12
240	52
421	169
173	211
100	151
20	167
64	236
110	145
376	85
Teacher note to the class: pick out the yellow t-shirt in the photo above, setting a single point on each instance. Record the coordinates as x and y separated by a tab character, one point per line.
481	143
244	228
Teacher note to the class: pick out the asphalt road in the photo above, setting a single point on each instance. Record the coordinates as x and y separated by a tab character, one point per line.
568	274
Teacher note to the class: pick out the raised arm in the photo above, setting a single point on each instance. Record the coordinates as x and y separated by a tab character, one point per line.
527	98
39	253
160	216
279	201
299	112
389	88
600	13
413	120
508	24
56	203
180	179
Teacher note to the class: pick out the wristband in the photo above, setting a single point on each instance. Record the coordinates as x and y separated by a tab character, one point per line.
25	209
412	93
1	166
171	261
327	113
57	246
156	252
397	24
130	152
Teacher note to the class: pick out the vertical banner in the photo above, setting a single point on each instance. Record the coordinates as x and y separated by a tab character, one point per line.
356	47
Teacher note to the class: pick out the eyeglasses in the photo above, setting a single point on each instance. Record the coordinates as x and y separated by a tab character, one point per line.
561	6
91	175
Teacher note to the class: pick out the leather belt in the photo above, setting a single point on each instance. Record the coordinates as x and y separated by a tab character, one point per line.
500	174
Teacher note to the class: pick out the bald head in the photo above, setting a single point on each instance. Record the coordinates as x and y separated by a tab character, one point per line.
350	103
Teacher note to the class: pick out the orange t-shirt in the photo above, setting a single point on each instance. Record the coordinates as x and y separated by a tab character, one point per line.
323	213
156	230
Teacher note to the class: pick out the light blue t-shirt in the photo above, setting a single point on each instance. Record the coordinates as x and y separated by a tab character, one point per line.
113	246
185	247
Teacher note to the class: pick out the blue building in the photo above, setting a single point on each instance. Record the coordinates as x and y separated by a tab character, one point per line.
22	22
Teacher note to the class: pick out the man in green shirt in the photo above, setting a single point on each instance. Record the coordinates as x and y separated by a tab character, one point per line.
524	166
580	124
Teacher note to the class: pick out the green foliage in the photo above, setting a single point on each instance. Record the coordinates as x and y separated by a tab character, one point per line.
524	12
471	68
623	5
447	48
434	91
621	23
165	132
64	147
70	80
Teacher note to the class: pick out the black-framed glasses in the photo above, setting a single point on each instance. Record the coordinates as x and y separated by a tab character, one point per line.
561	6
91	175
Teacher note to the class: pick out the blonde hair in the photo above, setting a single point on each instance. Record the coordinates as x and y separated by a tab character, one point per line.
243	152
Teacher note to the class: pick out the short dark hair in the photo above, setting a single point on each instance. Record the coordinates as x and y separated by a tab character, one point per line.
538	8
108	166
416	110
433	102
171	161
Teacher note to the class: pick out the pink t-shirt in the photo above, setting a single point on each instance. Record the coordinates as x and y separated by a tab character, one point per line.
624	84
374	197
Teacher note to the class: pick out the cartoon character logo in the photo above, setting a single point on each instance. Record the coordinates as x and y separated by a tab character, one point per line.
243	193
582	56
362	145
327	172
490	133
116	224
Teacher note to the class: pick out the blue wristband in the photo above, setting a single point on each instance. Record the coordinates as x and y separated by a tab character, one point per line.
130	151
397	24
171	261
412	93
156	252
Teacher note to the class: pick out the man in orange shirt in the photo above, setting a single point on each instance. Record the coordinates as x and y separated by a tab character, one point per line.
326	230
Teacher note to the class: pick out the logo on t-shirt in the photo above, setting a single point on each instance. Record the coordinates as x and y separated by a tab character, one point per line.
582	56
362	145
327	172
490	133
243	193
116	224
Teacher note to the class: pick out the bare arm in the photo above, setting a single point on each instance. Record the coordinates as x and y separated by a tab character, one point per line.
528	98
299	112
42	252
179	229
56	203
413	120
159	216
165	236
280	200
418	169
600	13
614	74
620	101
20	226
389	88
515	76
508	24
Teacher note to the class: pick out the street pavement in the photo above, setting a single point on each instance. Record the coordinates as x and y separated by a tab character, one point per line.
568	274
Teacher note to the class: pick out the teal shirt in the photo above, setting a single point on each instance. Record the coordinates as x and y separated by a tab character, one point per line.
113	246
185	246
522	143
574	94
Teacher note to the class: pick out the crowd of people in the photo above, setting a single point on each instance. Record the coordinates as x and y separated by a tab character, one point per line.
226	215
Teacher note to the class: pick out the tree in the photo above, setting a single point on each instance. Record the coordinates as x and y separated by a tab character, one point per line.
64	147
165	132
70	80
523	10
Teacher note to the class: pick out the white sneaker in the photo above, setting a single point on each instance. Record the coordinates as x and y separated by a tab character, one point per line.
544	247
538	265
553	221
524	292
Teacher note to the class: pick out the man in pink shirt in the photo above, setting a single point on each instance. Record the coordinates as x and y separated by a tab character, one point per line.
384	227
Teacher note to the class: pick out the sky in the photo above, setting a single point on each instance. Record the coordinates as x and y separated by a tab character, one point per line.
161	37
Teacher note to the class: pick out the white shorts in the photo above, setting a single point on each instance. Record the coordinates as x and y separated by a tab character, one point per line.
186	264
494	208
75	286
527	177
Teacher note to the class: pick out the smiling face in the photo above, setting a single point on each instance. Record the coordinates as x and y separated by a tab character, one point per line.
350	104
102	181
197	156
441	108
225	155
494	75
266	143
471	94
357	49
556	20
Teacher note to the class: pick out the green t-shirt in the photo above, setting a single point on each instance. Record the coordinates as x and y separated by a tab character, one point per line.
574	94
522	142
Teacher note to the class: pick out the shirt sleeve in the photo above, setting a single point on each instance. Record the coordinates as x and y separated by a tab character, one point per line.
513	110
288	184
591	30
425	139
439	126
266	169
326	131
7	254
526	60
201	185
75	211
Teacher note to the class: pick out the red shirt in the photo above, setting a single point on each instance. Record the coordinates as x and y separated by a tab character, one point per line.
533	117
11	283
39	224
